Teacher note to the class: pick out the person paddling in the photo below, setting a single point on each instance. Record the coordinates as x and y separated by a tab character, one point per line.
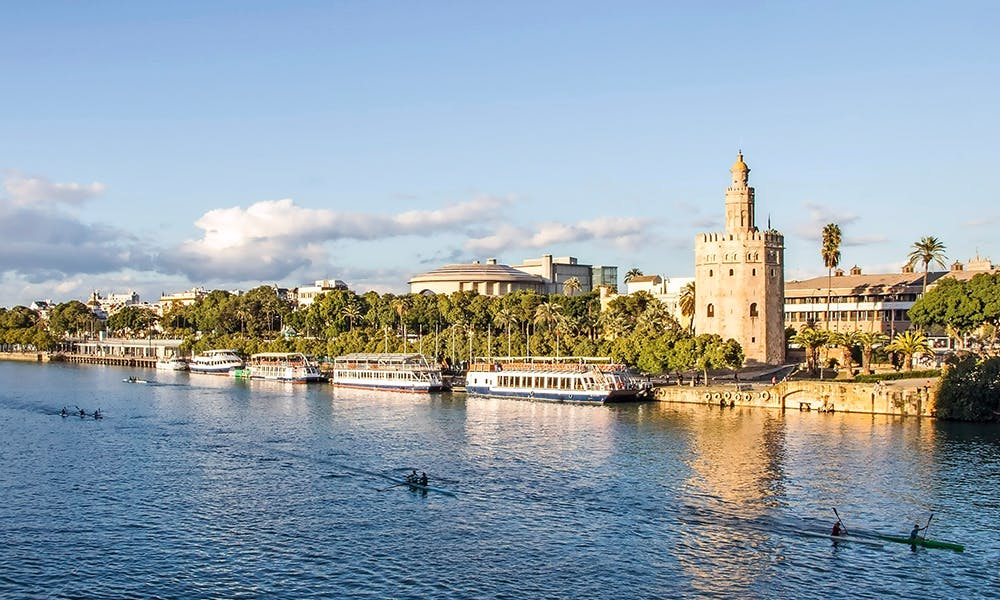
63	412
839	529
423	478
915	533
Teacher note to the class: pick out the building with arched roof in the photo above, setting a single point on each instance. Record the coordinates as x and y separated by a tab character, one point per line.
488	279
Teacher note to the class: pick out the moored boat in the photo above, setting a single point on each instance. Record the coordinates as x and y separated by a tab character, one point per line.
565	379
293	367
395	372
216	362
174	363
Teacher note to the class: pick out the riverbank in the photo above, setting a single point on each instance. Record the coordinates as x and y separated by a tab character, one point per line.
904	397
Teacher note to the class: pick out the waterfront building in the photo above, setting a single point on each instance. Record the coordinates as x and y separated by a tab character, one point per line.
555	272
872	303
306	294
188	298
488	279
739	277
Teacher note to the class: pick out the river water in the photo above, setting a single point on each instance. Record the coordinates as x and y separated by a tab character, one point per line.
195	486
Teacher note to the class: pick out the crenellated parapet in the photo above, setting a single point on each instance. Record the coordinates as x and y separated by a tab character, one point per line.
769	237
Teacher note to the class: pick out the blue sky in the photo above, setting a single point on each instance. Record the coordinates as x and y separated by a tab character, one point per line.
159	146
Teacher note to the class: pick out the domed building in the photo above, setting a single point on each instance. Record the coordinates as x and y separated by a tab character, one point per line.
488	279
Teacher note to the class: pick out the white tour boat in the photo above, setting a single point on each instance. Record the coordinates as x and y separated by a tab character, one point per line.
174	363
216	362
386	371
567	379
283	366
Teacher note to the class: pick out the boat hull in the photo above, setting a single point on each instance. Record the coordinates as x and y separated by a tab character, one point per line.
544	395
841	538
411	389
925	543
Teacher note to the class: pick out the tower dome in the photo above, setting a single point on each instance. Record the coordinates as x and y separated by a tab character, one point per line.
739	165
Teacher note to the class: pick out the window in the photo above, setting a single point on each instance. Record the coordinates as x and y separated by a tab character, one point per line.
753	272
753	309
710	310
730	272
710	272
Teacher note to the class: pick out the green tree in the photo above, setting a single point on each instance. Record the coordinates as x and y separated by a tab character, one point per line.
131	320
869	342
72	318
572	286
812	340
632	274
830	251
969	389
687	303
927	250
910	343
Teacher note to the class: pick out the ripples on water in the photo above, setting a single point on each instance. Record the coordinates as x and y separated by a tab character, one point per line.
197	486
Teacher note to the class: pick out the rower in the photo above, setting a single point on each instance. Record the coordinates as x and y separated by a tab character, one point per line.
839	529
423	478
63	412
412	477
97	414
916	530
83	413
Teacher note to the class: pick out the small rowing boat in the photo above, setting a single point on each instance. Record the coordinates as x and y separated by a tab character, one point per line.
840	538
426	488
923	542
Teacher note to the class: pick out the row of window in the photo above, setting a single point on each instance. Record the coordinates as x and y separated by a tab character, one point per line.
753	272
847	315
821	299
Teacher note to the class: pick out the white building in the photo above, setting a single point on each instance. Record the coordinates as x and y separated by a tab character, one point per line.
555	272
306	294
665	289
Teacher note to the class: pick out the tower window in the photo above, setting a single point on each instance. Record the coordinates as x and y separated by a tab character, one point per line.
753	309
710	272
730	272
753	272
710	310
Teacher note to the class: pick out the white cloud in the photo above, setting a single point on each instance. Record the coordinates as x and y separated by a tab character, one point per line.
625	232
270	239
25	191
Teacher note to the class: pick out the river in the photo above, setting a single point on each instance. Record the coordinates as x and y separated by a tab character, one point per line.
196	486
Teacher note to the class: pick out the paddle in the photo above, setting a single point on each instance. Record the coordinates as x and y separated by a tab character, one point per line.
392	486
928	525
839	520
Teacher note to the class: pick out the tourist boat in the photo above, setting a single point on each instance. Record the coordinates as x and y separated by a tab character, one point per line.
174	363
567	379
216	362
283	366
386	371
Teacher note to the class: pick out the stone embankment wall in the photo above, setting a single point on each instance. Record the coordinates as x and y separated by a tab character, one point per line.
906	397
25	356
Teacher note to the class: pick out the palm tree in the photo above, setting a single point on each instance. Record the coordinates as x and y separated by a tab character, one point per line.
571	286
812	340
928	250
632	274
869	340
830	251
550	314
352	312
402	306
910	343
506	317
687	303
656	318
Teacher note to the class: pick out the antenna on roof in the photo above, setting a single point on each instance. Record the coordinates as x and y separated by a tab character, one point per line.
768	221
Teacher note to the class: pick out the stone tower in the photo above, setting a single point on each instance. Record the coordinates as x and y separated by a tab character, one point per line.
740	278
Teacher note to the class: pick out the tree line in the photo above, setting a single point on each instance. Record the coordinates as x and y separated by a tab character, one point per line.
635	329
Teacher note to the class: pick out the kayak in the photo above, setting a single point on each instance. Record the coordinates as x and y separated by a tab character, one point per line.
840	538
922	542
427	488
